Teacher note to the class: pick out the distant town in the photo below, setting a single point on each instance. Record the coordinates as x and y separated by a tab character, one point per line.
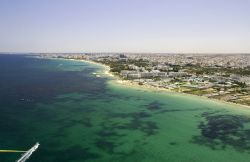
220	76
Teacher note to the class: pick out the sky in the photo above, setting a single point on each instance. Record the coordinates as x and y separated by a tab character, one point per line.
155	26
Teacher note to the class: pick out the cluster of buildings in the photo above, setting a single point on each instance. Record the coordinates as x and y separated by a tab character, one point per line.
150	74
225	60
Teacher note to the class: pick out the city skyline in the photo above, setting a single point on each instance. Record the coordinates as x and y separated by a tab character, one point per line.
125	26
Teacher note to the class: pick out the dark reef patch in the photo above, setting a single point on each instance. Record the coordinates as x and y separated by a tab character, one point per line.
219	131
133	115
105	145
109	133
172	143
137	122
68	122
178	110
155	105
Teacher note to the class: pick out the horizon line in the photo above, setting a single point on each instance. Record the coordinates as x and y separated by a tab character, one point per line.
201	53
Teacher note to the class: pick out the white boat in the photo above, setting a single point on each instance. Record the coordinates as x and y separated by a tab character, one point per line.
27	154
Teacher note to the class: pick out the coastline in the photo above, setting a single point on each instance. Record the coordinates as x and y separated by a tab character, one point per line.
135	85
105	72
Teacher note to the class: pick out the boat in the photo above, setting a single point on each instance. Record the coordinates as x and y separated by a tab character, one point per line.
28	153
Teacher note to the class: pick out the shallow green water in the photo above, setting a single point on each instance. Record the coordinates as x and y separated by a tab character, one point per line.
78	117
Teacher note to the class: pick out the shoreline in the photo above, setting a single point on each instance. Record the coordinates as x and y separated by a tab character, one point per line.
105	72
135	85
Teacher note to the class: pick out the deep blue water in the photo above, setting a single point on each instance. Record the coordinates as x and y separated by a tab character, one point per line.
27	81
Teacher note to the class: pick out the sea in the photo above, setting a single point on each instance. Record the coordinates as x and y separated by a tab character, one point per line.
77	116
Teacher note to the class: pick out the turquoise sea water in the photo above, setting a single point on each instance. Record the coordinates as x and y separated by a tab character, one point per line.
77	117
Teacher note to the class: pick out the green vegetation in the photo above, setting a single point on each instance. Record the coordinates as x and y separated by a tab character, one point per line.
176	68
118	66
157	78
240	84
139	63
197	92
115	66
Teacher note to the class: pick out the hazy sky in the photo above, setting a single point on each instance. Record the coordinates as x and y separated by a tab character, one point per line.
125	26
